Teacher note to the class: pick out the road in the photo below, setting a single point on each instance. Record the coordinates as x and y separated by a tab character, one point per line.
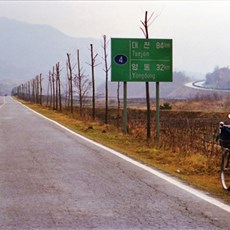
53	179
200	85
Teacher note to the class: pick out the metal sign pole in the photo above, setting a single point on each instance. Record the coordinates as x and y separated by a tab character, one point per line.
158	111
125	107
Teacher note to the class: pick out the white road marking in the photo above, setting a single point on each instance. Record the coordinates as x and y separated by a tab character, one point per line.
4	102
193	191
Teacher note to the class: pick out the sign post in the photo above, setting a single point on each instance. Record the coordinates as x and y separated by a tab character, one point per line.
125	130
141	60
158	111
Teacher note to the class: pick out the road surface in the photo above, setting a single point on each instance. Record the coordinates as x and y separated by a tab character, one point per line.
53	179
200	85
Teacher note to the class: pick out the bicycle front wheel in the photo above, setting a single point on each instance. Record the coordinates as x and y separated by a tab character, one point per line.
225	169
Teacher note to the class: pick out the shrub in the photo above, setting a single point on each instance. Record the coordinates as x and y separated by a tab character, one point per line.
166	106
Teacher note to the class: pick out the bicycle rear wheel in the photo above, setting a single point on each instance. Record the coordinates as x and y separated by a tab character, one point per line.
225	169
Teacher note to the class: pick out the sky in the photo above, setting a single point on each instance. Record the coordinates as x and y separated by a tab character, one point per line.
200	29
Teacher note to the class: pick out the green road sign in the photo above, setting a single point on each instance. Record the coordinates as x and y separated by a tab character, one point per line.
141	59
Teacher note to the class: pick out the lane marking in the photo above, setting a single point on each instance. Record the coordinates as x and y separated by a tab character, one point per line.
4	102
179	184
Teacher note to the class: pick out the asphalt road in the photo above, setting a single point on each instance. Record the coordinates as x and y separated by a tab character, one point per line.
52	179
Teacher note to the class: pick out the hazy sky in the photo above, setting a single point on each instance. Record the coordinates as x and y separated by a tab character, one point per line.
200	29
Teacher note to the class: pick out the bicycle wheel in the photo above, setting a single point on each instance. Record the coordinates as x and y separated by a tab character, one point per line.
225	169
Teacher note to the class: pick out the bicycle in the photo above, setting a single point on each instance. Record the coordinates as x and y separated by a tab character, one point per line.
224	141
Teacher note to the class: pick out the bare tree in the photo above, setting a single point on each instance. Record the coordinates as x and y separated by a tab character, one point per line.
93	65
67	93
40	86
70	83
33	90
37	88
107	68
146	25
82	84
51	88
29	96
79	81
48	92
58	87
54	91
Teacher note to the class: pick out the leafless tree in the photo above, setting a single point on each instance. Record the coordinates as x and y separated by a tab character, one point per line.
67	93
36	88
54	90
29	96
146	23
40	88
51	89
70	83
47	93
33	91
58	87
107	68
93	65
82	84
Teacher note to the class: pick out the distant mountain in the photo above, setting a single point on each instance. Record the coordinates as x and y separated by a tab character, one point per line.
27	50
218	79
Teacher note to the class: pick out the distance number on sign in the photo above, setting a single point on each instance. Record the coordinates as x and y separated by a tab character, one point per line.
163	45
162	67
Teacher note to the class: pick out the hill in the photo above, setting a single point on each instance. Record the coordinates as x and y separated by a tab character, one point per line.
27	50
218	79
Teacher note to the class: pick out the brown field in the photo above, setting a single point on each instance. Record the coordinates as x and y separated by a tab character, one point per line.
190	127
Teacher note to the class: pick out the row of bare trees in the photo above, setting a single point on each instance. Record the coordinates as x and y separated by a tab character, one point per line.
31	90
78	84
71	91
54	97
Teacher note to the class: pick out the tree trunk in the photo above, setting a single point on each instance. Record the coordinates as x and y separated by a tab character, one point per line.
118	104
71	83
54	94
59	103
79	79
40	79
106	80
148	112
93	80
